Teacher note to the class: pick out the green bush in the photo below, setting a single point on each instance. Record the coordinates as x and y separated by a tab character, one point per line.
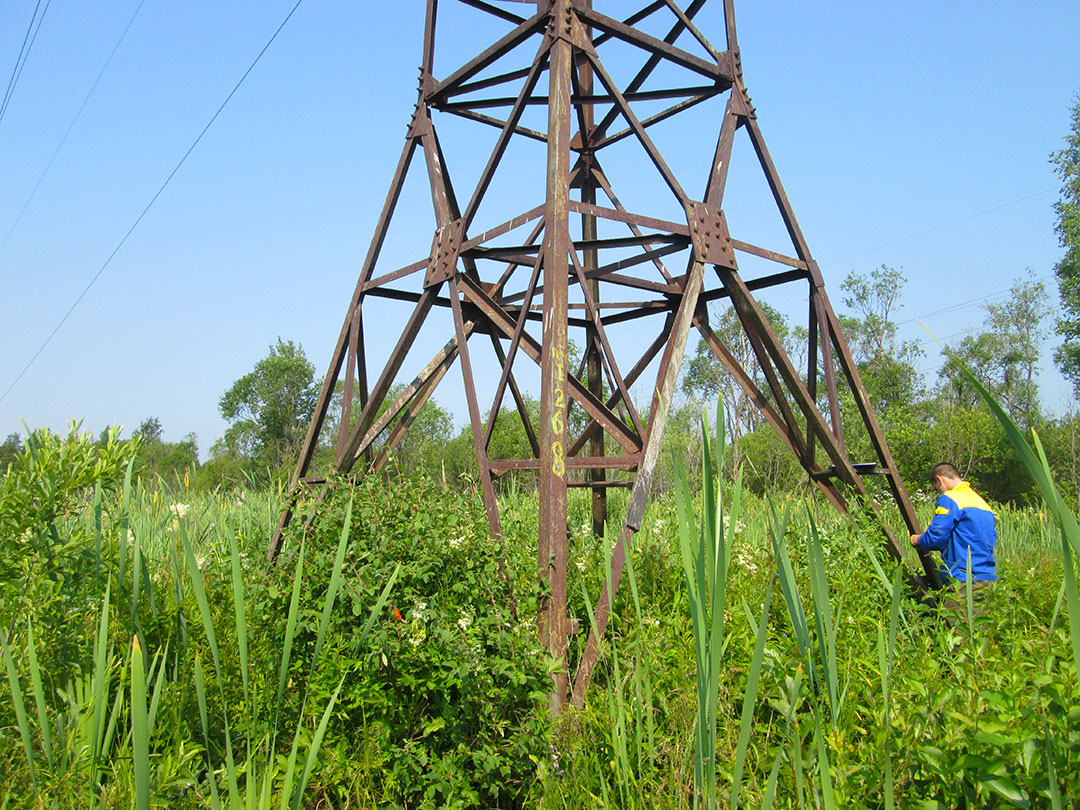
447	701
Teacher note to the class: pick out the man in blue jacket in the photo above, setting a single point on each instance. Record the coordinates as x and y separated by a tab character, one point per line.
962	522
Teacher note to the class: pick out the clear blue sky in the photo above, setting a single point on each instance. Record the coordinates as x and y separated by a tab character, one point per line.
886	122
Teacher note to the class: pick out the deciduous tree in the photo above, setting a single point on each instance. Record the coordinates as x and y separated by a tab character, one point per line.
1005	356
8	450
886	364
1067	165
270	407
706	378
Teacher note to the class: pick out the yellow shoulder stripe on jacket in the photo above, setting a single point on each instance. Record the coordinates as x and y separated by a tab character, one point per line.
967	498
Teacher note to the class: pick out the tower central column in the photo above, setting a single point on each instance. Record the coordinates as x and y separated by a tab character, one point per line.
553	369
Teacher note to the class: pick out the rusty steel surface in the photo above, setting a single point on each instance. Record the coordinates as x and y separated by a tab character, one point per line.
583	262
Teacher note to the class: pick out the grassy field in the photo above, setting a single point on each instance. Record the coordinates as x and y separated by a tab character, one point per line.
390	659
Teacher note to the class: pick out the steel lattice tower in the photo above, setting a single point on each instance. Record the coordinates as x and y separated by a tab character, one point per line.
579	260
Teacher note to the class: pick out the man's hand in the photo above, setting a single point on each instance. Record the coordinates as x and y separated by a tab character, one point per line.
915	539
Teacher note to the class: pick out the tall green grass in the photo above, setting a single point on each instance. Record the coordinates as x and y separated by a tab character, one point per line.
705	556
104	734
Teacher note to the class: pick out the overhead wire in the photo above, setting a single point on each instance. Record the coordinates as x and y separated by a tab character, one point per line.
965	304
24	54
940	227
150	204
963	332
71	126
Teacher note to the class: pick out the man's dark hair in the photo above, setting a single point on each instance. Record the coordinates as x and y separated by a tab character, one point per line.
944	469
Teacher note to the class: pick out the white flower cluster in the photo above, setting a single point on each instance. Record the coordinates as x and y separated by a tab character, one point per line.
417	630
739	525
745	559
177	510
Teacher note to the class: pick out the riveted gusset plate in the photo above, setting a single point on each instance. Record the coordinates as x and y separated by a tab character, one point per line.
445	248
709	235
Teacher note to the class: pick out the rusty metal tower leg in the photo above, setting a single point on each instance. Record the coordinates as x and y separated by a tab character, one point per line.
553	398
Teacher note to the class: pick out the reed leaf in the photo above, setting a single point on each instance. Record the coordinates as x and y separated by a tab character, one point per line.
380	603
828	801
790	590
114	712
157	670
200	694
753	681
823	620
642	676
333	587
239	613
99	535
289	779
39	696
1051	773
101	676
140	729
769	796
290	630
125	524
20	711
884	669
198	586
136	578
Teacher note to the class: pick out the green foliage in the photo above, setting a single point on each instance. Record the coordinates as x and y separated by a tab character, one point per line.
9	450
224	470
113	706
705	558
269	408
391	658
1005	355
51	478
448	703
705	378
769	465
508	440
1067	165
159	460
885	364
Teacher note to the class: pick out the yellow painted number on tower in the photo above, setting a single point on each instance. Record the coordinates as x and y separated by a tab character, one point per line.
558	419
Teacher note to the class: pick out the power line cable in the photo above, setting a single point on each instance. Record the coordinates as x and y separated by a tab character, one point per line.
939	340
150	204
940	227
18	59
972	302
71	126
24	54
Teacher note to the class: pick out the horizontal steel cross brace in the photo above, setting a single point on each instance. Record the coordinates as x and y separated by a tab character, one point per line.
624	462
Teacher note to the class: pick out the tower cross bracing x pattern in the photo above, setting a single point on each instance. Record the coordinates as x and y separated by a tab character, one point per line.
582	262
